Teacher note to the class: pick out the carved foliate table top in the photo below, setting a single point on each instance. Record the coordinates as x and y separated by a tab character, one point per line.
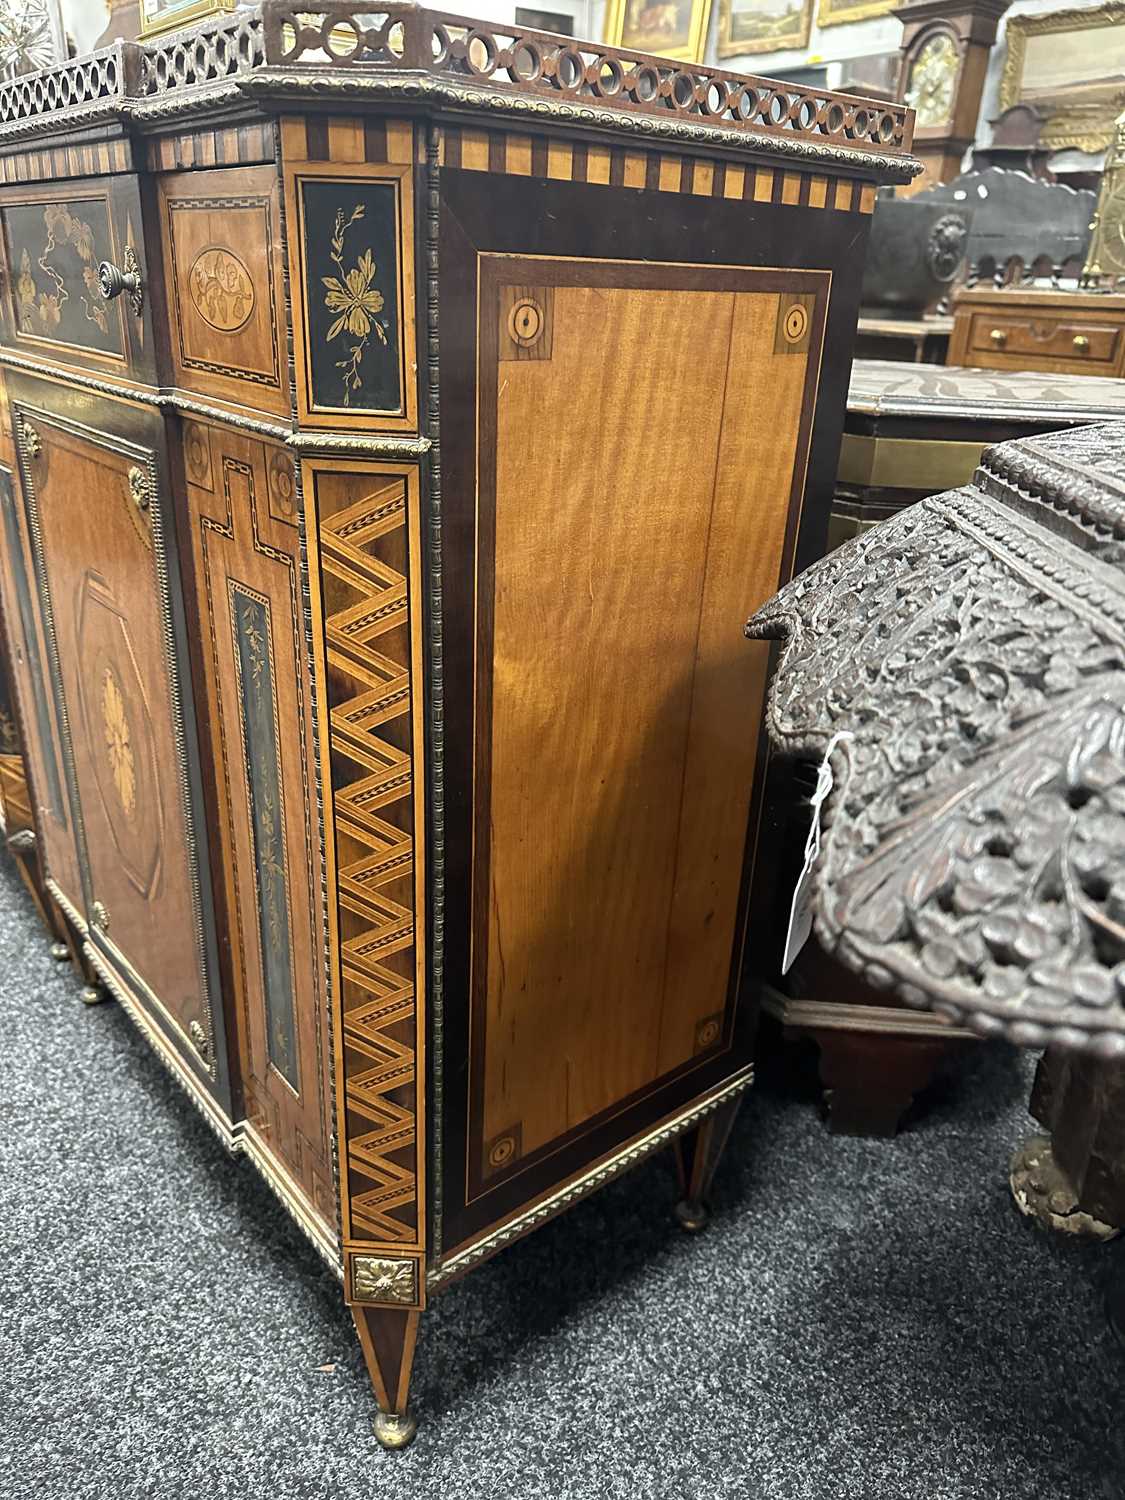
973	853
896	388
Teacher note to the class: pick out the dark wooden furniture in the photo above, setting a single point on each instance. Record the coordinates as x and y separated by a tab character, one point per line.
1031	328
945	50
1022	227
962	665
972	649
914	430
922	340
392	755
910	432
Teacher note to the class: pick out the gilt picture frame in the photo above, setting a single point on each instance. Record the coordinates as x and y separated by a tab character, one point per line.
749	26
159	16
669	28
837	12
1069	65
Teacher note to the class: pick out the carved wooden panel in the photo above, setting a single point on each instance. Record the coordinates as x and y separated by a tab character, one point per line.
223	273
616	706
246	553
105	581
351	251
364	557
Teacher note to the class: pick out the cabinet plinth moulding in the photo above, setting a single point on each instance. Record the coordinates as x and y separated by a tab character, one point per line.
423	922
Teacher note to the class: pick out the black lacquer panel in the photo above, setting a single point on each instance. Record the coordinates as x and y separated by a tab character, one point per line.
53	255
350	242
250	618
53	788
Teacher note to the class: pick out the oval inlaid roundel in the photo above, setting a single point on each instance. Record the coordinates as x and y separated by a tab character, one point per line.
221	289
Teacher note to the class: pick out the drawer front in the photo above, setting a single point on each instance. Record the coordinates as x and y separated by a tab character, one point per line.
106	575
54	236
1027	338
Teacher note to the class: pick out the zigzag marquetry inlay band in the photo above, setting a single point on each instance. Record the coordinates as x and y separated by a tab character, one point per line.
370	693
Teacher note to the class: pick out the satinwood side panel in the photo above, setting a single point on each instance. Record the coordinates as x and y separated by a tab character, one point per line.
617	703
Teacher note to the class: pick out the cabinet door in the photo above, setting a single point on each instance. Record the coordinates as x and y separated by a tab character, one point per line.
99	521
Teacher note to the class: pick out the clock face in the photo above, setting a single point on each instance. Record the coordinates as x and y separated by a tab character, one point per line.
933	80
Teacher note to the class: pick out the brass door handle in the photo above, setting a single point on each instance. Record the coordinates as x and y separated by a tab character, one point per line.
998	337
114	281
1081	343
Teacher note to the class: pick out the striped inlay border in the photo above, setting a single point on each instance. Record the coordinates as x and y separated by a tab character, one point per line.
234	145
97	159
371	139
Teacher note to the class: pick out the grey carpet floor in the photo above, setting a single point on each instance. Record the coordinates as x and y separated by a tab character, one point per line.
863	1320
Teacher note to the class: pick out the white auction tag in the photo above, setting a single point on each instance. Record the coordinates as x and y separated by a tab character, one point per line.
800	913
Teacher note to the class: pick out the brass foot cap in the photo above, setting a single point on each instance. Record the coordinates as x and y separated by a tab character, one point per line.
692	1216
92	995
395	1431
60	952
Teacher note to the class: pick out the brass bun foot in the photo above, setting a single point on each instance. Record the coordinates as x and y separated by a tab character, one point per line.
1045	1193
395	1431
60	952
692	1216
92	995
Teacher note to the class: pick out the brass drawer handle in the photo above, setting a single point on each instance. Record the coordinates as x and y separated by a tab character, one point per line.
1081	343
998	337
115	281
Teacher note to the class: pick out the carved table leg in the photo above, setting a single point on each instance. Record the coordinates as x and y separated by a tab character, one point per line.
1075	1178
870	1079
697	1156
387	1336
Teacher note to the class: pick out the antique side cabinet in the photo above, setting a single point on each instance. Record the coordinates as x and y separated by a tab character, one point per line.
402	416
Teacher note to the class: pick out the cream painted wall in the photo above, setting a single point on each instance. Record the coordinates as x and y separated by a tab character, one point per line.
84	20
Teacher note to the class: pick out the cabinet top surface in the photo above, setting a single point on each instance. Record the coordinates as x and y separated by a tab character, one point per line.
1062	299
277	56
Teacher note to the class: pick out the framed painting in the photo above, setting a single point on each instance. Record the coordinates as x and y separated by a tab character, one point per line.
747	26
670	28
836	12
1069	65
169	15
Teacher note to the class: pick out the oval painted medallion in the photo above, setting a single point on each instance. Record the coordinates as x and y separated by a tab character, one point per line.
221	289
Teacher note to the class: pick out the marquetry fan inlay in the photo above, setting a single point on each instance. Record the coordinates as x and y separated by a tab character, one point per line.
366	630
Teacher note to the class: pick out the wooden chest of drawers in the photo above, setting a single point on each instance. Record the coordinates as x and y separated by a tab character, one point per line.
374	577
1060	333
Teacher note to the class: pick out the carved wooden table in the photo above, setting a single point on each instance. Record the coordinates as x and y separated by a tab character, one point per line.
972	650
910	432
386	393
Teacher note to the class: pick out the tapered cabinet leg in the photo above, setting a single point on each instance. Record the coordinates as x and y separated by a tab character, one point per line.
387	1336
697	1156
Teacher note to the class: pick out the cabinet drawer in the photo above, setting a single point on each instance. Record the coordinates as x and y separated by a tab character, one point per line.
1076	340
53	237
